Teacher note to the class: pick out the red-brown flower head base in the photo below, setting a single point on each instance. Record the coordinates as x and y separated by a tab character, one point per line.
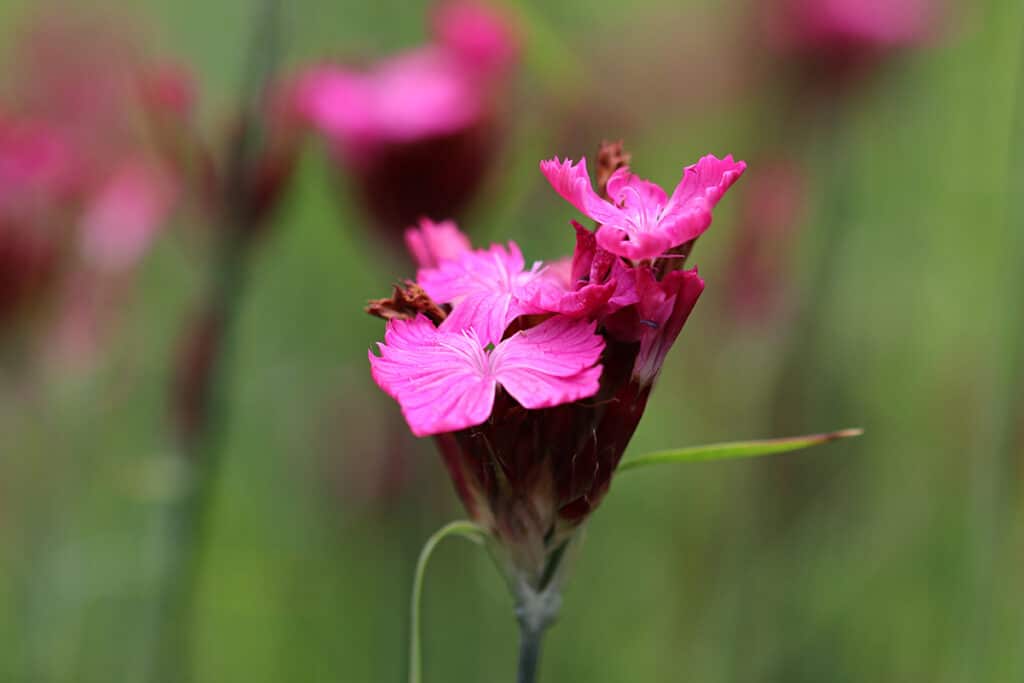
533	379
834	42
418	131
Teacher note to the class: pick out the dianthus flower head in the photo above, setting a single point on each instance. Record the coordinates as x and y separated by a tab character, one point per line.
417	130
532	379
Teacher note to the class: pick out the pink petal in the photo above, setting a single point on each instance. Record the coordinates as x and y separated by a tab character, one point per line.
551	293
482	287
411	96
572	182
485	39
491	270
625	188
442	381
122	220
637	246
663	309
336	101
583	255
488	313
433	243
550	364
704	183
688	212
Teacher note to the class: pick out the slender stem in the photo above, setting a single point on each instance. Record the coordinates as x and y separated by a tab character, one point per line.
529	652
186	521
995	478
467	530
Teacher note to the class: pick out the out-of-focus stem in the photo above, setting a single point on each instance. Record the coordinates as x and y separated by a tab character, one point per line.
199	441
198	405
529	652
997	467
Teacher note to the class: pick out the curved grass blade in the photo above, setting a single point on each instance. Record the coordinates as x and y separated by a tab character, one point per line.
735	449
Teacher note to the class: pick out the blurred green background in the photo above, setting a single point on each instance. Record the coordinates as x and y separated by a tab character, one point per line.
896	557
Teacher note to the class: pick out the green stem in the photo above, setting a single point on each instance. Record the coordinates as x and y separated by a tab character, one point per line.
529	652
468	530
186	522
995	472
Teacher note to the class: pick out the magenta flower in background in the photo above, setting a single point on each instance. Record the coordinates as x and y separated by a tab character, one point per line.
81	197
418	130
35	169
532	379
769	220
839	38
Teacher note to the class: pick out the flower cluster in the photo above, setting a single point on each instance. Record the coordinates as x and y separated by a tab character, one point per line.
81	199
533	378
392	123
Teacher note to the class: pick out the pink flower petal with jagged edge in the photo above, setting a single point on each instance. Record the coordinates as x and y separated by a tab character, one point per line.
433	243
572	182
550	364
445	381
483	287
663	309
440	379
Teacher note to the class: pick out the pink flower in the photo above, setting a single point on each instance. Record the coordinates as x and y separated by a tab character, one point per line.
433	243
79	196
833	43
418	130
834	25
494	359
36	163
416	95
638	220
446	381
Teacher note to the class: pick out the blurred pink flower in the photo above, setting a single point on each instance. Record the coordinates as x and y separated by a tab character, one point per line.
770	216
123	216
417	131
81	198
837	38
638	220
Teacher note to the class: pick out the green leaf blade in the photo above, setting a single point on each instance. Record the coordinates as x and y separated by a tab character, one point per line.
735	449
